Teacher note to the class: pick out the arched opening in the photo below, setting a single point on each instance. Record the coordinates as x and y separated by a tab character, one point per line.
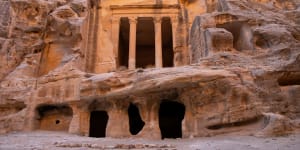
171	115
98	123
136	123
54	117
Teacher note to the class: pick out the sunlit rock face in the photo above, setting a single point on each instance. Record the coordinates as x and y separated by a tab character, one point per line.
150	68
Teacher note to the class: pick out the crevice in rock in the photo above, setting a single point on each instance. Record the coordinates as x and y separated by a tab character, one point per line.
261	42
234	124
289	78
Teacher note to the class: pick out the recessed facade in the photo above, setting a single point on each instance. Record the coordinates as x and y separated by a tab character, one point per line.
139	36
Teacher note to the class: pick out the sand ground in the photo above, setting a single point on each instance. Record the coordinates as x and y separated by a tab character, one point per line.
44	140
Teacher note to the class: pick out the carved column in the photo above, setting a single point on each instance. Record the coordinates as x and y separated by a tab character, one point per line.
177	60
74	127
174	22
80	123
115	38
158	43
132	42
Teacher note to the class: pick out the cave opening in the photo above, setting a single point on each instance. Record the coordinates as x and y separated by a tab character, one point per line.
98	123
171	115
136	123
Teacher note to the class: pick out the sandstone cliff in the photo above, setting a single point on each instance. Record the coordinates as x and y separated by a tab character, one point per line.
242	72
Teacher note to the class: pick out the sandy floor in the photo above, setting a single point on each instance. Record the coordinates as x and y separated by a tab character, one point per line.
61	141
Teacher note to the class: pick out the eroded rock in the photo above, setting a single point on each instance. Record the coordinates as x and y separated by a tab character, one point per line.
154	69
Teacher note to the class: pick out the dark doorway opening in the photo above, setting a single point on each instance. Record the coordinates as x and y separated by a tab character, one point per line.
136	123
145	43
98	123
171	115
123	52
167	43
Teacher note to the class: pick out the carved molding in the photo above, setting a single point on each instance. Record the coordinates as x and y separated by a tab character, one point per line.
115	20
176	6
157	19
132	20
174	19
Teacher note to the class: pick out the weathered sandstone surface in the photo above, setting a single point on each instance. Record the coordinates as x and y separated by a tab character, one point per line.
229	66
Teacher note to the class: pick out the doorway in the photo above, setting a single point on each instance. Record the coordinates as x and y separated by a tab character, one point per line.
136	123
145	43
171	115
167	42
98	123
123	51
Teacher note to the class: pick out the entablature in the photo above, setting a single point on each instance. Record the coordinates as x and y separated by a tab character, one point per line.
145	10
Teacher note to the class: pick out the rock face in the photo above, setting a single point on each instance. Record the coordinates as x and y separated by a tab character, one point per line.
154	69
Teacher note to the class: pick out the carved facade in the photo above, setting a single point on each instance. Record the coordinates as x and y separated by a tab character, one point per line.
119	37
137	36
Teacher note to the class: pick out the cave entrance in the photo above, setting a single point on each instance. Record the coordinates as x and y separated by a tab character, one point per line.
98	123
136	123
171	115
